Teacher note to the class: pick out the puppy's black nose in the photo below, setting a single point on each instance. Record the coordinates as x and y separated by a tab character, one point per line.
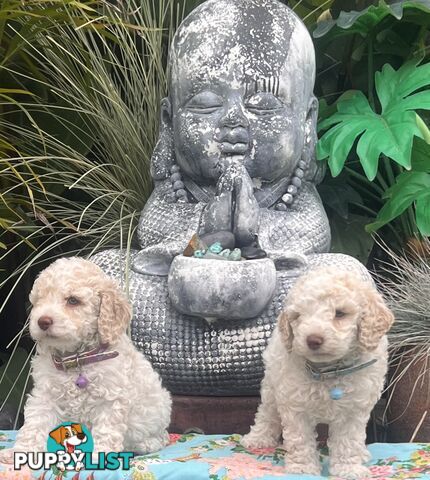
81	436
314	341
45	322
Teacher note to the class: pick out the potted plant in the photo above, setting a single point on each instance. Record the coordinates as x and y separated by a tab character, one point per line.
407	287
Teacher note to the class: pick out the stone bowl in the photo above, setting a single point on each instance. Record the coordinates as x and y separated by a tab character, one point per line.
221	289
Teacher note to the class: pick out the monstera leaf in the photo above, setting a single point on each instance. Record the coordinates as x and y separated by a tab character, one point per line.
364	21
390	132
411	188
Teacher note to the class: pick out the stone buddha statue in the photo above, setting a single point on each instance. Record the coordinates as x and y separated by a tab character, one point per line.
234	167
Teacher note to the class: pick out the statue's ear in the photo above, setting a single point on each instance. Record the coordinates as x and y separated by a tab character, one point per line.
315	171
163	156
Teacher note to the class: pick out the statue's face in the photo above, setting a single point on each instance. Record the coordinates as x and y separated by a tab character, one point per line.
260	123
242	79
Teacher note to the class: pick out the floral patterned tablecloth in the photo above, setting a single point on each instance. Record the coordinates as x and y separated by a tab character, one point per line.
221	457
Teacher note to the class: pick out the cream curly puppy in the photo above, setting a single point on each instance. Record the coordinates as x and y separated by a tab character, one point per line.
112	389
325	363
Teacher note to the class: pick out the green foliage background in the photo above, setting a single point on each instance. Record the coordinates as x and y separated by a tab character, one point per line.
377	126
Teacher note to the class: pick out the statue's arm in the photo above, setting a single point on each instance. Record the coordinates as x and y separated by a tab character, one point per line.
303	228
164	227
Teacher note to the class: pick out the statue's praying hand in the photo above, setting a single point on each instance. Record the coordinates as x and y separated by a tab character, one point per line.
233	207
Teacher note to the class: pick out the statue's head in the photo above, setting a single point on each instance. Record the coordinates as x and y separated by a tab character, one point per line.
240	87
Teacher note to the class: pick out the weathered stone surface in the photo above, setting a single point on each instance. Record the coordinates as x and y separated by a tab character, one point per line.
215	289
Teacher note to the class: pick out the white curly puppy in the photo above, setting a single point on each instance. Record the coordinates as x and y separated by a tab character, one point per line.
86	369
325	363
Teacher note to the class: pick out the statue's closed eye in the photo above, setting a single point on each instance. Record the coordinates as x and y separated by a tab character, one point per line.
264	103
204	102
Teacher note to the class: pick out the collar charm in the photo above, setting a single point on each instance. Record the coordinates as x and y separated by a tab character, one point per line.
82	381
336	393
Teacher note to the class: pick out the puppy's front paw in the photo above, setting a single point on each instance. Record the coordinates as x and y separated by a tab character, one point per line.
349	471
364	456
6	455
252	440
302	468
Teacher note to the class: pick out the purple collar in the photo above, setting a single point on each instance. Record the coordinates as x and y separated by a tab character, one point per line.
76	360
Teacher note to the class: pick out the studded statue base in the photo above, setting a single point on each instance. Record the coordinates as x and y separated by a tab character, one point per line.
234	163
194	356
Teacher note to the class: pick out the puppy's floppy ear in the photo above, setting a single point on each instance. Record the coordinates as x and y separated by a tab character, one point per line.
115	313
285	329
59	434
376	319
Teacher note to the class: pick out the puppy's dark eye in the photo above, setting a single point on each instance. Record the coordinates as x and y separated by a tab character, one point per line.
340	313
73	301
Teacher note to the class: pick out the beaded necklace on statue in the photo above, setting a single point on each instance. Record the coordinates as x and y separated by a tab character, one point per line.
284	188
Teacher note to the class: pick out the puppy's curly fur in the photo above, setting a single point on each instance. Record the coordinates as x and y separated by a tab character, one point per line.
350	319
124	404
